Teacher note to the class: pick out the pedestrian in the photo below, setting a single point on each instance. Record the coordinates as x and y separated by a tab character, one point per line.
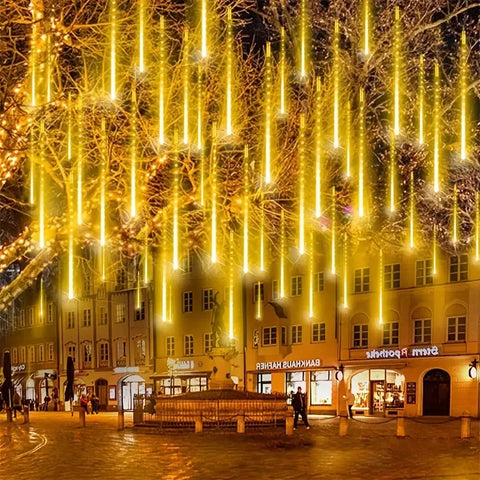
17	404
46	401
84	403
349	400
299	404
95	404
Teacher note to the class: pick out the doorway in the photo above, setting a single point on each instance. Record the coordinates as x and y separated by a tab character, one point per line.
436	393
101	389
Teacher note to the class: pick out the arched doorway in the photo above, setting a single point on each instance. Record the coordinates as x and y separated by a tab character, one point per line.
101	390
129	387
436	392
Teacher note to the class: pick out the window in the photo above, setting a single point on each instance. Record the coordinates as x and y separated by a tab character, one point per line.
121	349
459	268
14	356
197	384
31	354
318	282
50	313
41	353
30	317
22	318
71	352
284	336
140	312
23	355
296	285
321	388
390	333
170	346
87	318
391	276
140	351
318	332
423	272
187	262
423	331
187	302
121	279
41	315
269	336
275	292
50	352
360	336
188	345
207	298
362	280
104	354
103	316
87	284
457	329
87	355
264	383
70	319
120	313
207	342
258	289
296	334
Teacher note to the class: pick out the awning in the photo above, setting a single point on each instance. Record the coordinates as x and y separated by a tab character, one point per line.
179	374
19	379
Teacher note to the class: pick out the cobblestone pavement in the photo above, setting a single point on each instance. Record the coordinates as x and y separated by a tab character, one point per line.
54	446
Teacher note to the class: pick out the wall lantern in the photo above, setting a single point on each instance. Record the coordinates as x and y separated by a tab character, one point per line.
472	369
339	374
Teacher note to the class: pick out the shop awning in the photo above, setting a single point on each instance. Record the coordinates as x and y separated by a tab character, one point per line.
18	379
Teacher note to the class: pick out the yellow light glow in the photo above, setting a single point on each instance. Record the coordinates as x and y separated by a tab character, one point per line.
421	100
282	67
361	156
102	186
380	288
301	186
146	263
69	127
436	129
186	81
175	195
133	156
333	232
200	108
163	263
336	86
455	215
392	174
303	39
41	199
141	36
229	54
246	192
463	96
204	28
348	153
113	49
345	271
137	293
48	68
268	113
231	281
33	61
214	195
71	221
366	27
318	149
282	254
477	227
434	253
80	166
258	313
396	72
32	166
262	235
161	79
41	309
202	178
412	210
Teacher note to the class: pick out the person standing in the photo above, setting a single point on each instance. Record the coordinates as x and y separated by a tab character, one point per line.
299	404
349	400
84	403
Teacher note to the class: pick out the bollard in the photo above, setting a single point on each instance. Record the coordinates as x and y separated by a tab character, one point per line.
198	424
343	425
82	416
9	415
289	425
26	415
465	427
401	427
241	423
120	420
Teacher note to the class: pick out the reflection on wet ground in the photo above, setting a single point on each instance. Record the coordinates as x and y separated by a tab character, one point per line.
54	446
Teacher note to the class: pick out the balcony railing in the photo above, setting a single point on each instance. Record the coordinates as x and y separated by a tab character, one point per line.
121	362
103	363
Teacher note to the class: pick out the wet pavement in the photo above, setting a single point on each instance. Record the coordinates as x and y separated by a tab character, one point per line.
55	446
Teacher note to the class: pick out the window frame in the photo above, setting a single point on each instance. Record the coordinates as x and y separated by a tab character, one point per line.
363	275
458	270
188	345
321	334
187	301
296	334
389	280
423	336
362	336
426	265
296	285
457	333
392	328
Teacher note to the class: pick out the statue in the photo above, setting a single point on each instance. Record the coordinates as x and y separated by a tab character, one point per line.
218	332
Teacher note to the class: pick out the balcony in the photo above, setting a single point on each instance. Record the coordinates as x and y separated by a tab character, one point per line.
103	363
140	361
121	362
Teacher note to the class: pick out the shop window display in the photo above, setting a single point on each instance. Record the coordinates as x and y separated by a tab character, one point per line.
293	381
321	388
377	391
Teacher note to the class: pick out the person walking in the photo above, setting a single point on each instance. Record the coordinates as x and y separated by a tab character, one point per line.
299	404
84	403
349	400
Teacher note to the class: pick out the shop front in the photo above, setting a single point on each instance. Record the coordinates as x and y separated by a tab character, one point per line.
286	376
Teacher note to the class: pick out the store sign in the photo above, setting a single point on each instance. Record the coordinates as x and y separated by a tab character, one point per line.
405	352
125	370
286	364
175	364
18	368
